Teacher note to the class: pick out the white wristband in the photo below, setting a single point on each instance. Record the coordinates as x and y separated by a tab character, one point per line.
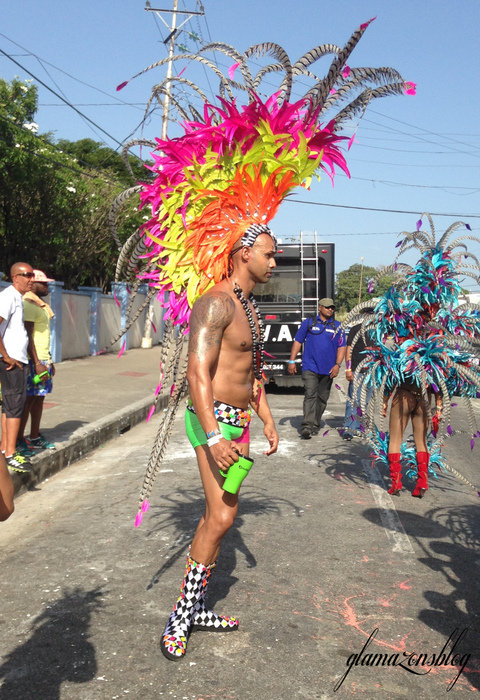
213	440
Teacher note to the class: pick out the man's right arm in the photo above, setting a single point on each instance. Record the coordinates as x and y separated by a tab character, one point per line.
6	491
9	361
296	347
211	314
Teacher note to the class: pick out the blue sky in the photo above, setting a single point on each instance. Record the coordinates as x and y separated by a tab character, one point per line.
413	154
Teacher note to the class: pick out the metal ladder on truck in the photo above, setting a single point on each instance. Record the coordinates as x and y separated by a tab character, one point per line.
309	259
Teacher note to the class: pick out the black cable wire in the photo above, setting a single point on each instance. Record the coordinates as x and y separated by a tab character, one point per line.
386	211
64	100
82	82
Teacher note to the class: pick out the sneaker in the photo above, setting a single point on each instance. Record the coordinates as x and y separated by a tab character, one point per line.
40	443
17	463
347	436
23	448
306	434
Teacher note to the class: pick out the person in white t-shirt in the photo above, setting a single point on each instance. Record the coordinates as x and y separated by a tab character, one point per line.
14	343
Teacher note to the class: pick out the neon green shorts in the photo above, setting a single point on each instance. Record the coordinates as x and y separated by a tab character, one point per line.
196	433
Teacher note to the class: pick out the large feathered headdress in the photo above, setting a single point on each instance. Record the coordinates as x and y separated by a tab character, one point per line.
236	163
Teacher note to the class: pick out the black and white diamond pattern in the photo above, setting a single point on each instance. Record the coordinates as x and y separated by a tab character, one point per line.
190	613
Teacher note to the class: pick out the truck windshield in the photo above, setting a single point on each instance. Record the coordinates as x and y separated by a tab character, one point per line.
284	286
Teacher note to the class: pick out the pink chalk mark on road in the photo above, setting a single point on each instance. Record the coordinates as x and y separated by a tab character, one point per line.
404	586
350	617
385	602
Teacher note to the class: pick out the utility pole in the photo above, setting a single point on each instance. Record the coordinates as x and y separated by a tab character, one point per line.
170	40
361	280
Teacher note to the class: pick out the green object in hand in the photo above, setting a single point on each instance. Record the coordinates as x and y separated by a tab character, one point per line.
236	474
39	377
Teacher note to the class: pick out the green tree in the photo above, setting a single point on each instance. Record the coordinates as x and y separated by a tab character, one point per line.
348	289
92	154
54	206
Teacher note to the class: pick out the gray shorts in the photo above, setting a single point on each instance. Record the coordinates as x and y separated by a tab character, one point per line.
14	389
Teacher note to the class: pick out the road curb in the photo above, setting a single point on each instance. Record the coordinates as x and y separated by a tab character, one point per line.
84	441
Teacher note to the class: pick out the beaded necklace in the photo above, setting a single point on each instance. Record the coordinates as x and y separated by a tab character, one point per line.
257	342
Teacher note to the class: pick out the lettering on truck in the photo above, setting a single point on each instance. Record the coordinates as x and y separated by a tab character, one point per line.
280	334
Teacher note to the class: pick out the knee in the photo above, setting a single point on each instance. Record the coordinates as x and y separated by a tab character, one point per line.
222	520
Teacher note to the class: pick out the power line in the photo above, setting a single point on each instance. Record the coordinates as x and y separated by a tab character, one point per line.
386	211
412	126
411	165
82	82
62	98
472	190
93	104
421	138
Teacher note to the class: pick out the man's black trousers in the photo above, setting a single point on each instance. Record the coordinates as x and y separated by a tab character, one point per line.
317	390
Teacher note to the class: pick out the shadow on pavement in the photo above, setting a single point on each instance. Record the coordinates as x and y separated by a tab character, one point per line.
452	551
182	513
57	651
63	431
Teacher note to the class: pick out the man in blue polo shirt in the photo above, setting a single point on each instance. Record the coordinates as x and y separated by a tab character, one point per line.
323	354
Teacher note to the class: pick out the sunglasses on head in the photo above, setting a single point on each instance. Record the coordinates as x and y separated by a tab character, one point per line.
29	275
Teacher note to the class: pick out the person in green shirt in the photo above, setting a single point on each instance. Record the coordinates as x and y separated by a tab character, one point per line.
37	322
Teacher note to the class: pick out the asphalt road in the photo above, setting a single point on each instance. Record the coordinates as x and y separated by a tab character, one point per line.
321	563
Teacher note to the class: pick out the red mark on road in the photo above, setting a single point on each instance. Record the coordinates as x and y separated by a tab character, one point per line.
404	586
350	617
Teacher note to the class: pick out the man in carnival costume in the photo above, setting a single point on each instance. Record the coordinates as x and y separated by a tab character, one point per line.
207	244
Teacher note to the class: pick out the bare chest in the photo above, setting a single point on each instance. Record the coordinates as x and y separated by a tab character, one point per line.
238	336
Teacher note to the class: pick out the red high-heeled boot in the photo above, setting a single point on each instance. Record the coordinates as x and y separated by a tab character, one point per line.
422	475
395	473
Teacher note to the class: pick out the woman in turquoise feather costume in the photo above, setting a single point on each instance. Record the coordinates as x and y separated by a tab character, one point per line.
427	344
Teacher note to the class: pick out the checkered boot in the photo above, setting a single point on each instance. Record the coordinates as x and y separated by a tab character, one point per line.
207	621
190	607
177	631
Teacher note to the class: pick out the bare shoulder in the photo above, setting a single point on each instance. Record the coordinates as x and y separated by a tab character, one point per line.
211	314
212	310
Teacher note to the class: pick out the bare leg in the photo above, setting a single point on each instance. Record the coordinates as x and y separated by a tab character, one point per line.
12	425
4	433
190	611
420	427
36	412
220	511
24	420
6	491
403	405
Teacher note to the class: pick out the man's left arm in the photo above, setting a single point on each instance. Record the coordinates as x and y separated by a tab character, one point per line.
262	409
